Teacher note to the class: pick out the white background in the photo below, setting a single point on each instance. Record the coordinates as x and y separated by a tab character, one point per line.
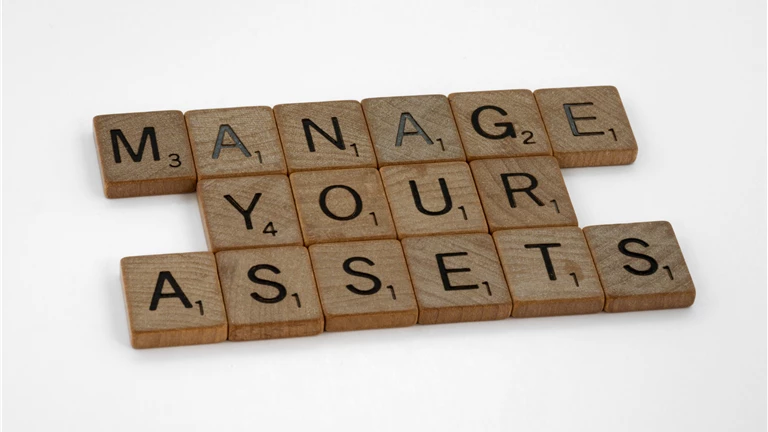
692	77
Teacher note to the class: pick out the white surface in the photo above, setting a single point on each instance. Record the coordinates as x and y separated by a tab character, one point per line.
692	76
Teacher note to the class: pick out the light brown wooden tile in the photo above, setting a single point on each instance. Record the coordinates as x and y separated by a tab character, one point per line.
433	198
587	126
324	135
502	123
245	212
233	142
342	205
144	154
173	300
549	271
523	193
641	266
364	285
457	278
412	129
269	293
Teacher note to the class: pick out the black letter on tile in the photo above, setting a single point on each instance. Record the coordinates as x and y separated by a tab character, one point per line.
572	120
148	133
281	291
544	247
376	281
509	129
653	264
401	130
446	197
227	129
338	142
444	272
324	205
245	212
177	292
527	190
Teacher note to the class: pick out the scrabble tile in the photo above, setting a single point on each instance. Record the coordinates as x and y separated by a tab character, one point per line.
433	198
641	266
269	293
324	135
457	278
173	300
587	126
364	285
523	193
144	154
412	129
342	205
549	271
503	123
233	142
246	212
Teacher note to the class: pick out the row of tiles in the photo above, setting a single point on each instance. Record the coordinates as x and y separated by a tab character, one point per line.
288	291
393	202
165	152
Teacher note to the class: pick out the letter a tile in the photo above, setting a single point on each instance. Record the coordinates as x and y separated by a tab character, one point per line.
641	266
524	192
144	154
549	271
246	212
269	293
232	142
412	129
364	285
342	205
457	278
324	135
587	126
173	300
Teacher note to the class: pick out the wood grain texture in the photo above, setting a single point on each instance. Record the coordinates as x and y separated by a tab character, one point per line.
190	310
347	144
597	132
364	285
468	286
444	201
523	193
641	266
245	212
162	165
269	293
233	142
502	123
549	271
412	129
342	205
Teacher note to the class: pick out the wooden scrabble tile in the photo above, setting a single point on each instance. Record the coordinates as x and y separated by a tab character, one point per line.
502	123
523	193
433	198
412	129
641	266
324	135
233	142
342	205
549	271
269	293
587	126
364	285
173	300
144	154
457	278
246	212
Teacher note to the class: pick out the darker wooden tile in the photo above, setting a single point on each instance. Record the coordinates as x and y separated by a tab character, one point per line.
144	154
